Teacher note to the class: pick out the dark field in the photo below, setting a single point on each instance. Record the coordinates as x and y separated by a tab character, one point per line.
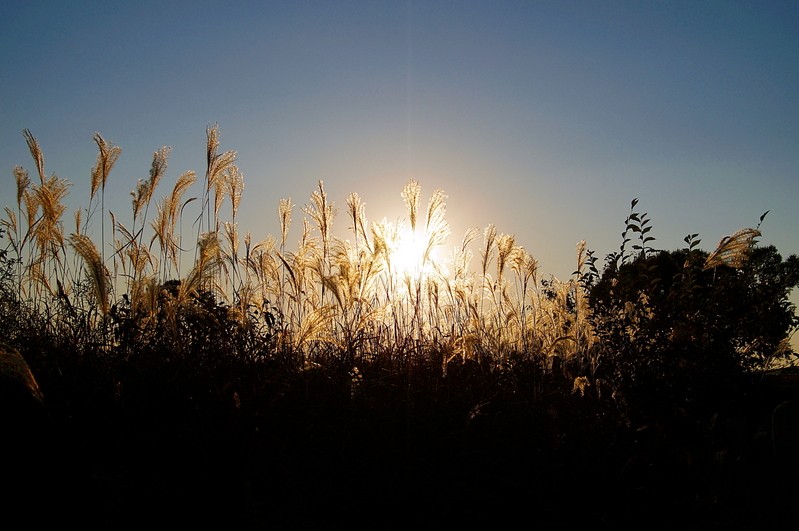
458	451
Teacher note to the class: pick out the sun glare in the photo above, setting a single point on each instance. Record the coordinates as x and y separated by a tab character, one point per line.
411	247
407	257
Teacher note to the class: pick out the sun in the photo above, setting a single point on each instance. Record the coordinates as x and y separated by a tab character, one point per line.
413	255
407	255
412	244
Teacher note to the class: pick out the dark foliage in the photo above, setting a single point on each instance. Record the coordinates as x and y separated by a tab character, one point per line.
675	334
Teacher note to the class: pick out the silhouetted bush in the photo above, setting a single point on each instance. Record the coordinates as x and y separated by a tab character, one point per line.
678	334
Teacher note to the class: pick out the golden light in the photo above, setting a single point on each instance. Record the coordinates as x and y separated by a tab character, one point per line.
408	253
410	246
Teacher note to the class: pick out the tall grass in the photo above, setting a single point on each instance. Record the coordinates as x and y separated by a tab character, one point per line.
328	298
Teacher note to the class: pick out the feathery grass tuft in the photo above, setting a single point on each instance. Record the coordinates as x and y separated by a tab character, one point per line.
98	273
734	250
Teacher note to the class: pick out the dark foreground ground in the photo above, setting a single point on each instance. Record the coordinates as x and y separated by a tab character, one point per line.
309	457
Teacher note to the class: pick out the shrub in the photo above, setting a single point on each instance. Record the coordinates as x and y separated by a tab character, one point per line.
678	328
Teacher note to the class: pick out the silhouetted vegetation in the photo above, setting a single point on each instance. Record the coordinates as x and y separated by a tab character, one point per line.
344	384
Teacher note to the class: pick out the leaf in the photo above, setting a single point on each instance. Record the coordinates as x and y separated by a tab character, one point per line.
633	203
762	217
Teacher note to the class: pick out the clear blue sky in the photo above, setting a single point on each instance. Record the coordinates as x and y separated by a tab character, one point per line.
544	118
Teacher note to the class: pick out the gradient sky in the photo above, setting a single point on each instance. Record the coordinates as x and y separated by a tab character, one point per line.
545	118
